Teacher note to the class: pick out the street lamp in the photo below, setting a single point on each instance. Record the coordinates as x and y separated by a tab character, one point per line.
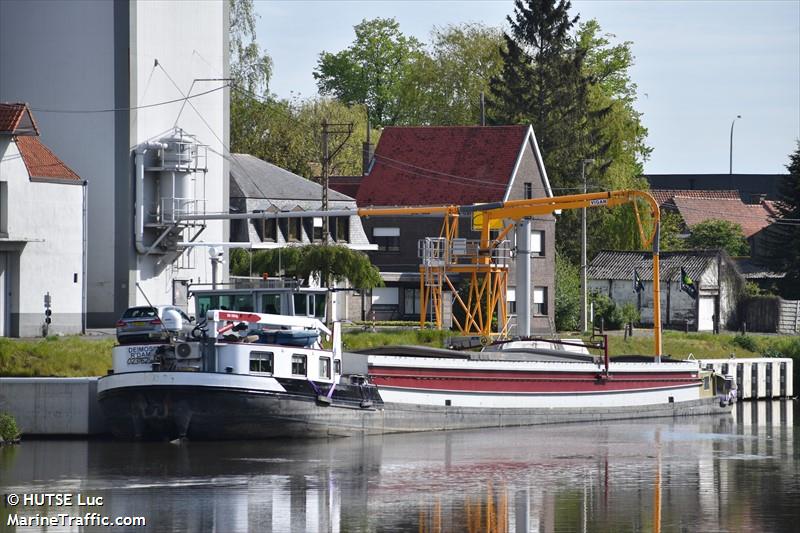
584	298
730	169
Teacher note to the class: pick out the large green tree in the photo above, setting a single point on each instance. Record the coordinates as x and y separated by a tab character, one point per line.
452	75
374	71
722	234
783	236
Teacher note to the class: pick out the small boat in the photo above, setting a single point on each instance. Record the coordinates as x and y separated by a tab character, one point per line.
256	376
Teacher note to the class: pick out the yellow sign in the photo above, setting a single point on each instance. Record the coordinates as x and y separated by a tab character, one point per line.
477	222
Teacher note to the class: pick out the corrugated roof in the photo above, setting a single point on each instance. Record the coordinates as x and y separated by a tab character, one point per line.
253	178
752	269
752	218
442	165
17	119
43	164
610	264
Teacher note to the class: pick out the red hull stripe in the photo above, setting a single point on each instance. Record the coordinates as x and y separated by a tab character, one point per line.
525	382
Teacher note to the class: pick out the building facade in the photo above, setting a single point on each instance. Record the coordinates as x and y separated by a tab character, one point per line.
719	286
453	166
41	233
108	78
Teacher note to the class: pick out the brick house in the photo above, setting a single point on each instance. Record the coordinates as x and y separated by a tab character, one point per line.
458	165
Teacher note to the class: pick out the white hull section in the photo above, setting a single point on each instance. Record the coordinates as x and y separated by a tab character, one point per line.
623	398
189	379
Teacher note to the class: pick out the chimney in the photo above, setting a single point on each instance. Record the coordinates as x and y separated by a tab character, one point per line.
367	151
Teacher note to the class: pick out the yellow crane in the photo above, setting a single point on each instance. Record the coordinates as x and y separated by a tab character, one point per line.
485	264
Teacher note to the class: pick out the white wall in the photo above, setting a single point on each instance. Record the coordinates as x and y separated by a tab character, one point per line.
189	41
49	217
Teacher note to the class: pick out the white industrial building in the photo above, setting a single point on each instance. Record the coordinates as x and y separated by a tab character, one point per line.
41	232
107	82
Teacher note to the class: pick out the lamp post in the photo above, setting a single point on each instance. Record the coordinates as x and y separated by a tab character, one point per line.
730	168
584	292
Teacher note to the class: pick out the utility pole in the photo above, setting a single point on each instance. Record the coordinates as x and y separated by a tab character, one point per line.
584	290
327	130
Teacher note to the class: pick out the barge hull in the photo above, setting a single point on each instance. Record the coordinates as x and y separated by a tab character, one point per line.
165	413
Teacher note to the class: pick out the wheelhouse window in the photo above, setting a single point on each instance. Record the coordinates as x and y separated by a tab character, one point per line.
387	239
540	300
337	367
325	367
301	305
271	304
299	367
261	362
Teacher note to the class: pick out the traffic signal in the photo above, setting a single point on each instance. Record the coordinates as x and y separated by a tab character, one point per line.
47	313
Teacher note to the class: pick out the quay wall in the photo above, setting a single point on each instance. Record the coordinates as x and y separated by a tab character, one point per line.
53	406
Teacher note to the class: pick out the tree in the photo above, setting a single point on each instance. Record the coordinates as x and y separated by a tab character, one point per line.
722	234
783	236
374	71
450	78
331	262
251	68
568	295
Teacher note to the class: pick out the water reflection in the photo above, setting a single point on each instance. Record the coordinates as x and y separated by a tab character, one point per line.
692	474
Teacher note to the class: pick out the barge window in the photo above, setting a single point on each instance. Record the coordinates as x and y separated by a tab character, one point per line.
319	305
301	305
261	362
271	304
337	367
298	365
325	367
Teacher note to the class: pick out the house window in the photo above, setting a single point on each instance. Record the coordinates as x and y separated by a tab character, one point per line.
317	231
511	298
537	243
411	306
385	296
540	300
261	362
294	232
268	230
4	208
342	229
528	190
325	367
387	239
298	365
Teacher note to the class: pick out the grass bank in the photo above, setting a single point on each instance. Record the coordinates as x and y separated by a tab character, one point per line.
55	357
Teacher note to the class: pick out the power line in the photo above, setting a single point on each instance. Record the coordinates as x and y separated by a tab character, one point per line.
112	110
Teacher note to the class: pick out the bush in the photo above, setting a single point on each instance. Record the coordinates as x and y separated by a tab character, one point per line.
8	427
614	317
747	342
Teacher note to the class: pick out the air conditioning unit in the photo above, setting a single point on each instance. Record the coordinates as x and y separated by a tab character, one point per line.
185	351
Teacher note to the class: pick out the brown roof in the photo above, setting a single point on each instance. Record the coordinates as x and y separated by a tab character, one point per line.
663	196
752	218
42	164
16	119
442	165
347	185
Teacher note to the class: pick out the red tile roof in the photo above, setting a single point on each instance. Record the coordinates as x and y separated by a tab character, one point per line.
663	196
16	119
752	218
42	164
347	185
442	165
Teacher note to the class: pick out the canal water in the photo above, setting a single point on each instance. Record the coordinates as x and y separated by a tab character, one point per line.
733	473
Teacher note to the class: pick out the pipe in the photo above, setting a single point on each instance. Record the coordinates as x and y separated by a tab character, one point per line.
215	244
84	259
524	277
138	225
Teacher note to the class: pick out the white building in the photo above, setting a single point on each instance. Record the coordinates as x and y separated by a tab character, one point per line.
719	286
41	232
103	78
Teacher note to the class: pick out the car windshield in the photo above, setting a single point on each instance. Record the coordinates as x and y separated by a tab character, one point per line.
140	312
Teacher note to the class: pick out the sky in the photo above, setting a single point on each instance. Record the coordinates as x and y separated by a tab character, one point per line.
698	64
